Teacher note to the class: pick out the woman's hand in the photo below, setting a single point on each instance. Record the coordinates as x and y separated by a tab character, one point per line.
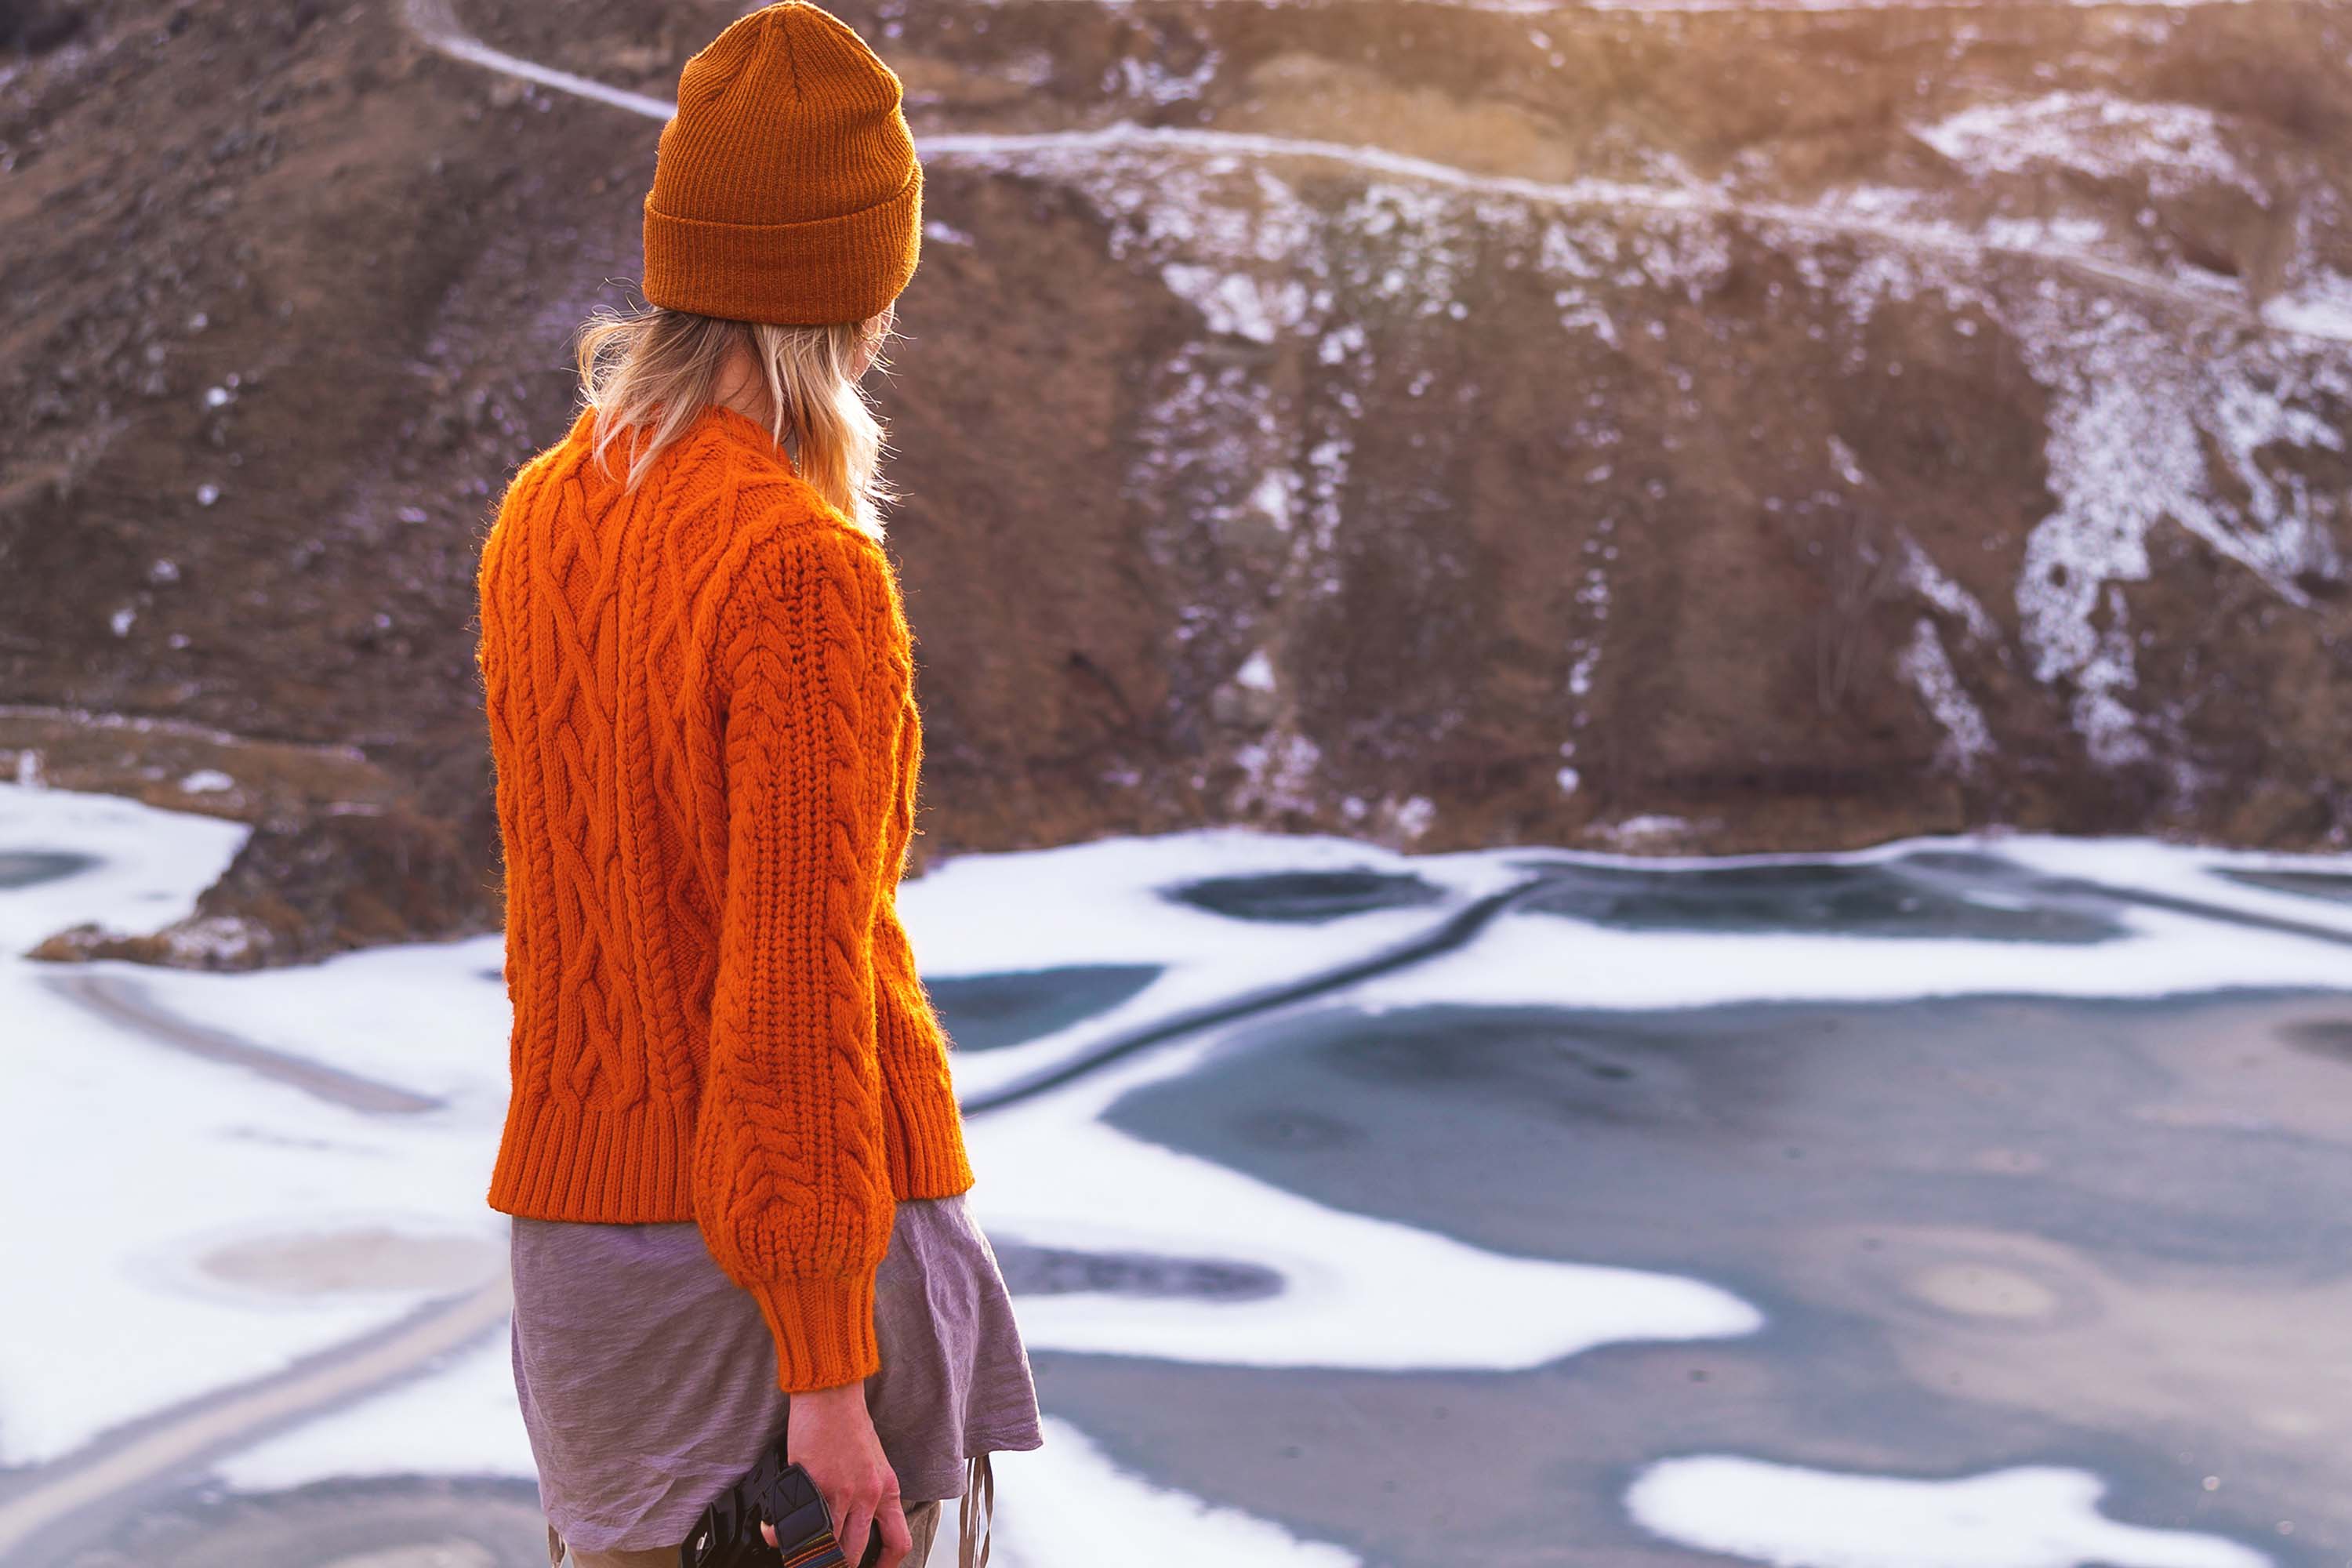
829	1435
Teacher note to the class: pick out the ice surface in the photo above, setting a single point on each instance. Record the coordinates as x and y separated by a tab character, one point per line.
1357	1291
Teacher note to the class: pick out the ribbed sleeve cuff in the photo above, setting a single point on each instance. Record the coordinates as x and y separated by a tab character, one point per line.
824	1330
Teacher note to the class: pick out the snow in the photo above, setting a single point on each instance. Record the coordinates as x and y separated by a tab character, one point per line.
1342	341
2321	307
1151	80
227	1155
1924	578
1056	1503
1061	1501
2142	433
2178	146
149	866
1273	495
1550	960
200	1157
2199	875
429	1016
436	22
1968	739
2039	1517
1236	304
458	1419
1280	774
1687	258
1415	815
1641	829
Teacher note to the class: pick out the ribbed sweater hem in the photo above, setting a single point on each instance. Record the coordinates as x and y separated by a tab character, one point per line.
567	1159
571	1160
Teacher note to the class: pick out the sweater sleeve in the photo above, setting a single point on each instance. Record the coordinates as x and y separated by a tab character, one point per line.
790	1181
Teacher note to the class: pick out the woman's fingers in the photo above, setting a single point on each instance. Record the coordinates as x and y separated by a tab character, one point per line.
897	1539
832	1437
850	1529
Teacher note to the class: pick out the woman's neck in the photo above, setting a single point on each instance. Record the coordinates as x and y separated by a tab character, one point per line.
742	388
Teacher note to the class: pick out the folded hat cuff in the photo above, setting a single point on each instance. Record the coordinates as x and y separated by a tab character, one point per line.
832	269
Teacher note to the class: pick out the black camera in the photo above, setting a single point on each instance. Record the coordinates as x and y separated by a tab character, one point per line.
773	1492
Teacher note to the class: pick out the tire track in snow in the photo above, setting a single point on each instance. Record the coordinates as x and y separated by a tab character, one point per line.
123	1001
435	24
183	1440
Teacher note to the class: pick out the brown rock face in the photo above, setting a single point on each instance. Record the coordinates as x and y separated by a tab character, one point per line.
1724	428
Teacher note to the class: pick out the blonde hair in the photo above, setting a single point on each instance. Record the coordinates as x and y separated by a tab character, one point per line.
648	373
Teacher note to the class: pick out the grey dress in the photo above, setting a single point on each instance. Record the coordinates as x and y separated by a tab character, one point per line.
647	1378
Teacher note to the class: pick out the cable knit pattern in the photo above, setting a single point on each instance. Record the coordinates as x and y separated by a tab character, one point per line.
702	709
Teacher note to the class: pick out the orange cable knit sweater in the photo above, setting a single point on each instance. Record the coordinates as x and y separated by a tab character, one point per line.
701	712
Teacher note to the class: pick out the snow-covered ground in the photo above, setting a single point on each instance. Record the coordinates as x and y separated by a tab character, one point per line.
149	1160
217	1221
1524	960
214	1162
2026	1518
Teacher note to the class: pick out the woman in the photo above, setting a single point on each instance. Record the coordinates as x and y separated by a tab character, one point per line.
733	1152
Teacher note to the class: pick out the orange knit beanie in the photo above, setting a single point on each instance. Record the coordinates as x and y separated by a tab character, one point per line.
786	188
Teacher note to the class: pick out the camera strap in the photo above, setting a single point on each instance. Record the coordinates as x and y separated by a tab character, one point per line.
975	1513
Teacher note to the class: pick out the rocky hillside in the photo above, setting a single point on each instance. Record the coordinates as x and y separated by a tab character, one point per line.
1695	426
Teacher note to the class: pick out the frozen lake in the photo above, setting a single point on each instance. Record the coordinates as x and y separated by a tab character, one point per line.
1976	1203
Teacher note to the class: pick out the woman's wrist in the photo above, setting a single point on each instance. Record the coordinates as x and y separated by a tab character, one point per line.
840	1393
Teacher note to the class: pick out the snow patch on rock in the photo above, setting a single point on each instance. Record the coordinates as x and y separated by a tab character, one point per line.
1926	579
1968	739
2178	146
1236	304
2140	433
2320	308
